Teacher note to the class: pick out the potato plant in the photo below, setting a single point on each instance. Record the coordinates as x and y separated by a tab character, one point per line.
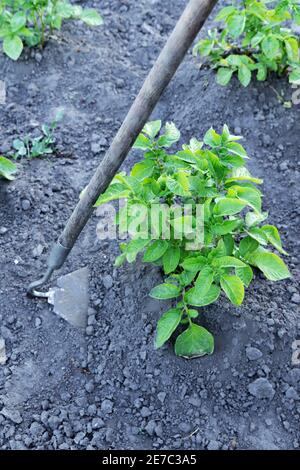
31	21
211	174
254	38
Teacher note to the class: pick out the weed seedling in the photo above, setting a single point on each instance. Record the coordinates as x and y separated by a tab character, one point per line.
210	179
32	147
254	38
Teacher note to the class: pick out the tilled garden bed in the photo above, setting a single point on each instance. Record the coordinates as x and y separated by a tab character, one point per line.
107	387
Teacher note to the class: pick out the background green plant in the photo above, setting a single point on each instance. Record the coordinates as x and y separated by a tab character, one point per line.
254	38
31	21
212	173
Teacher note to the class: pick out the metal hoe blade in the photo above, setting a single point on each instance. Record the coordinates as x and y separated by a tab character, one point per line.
70	299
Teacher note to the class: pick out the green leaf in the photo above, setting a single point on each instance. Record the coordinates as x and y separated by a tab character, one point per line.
120	260
259	235
234	160
273	237
244	75
292	49
142	142
254	218
176	187
192	296
143	169
204	47
171	259
224	75
228	262
294	76
114	191
66	10
227	226
170	137
262	72
152	128
224	13
194	264
245	274
193	313
236	24
7	168
165	291
242	174
218	251
204	281
13	47
257	39
247	245
17	21
234	60
166	325
155	251
186	277
212	139
195	145
183	225
251	195
134	247
183	180
271	265
270	46
233	288
91	17
196	341
229	206
237	149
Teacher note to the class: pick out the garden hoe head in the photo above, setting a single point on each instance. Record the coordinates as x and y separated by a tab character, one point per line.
71	296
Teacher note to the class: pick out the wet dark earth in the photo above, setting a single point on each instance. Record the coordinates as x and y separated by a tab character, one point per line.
106	387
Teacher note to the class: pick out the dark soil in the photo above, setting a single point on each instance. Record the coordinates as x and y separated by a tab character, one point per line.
107	387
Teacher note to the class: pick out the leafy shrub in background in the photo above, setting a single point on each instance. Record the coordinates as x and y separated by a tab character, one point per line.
211	173
254	38
31	21
7	168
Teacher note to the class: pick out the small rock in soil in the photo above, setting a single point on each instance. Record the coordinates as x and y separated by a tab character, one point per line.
25	204
107	406
261	388
107	281
13	415
213	445
291	394
295	298
253	353
161	396
36	429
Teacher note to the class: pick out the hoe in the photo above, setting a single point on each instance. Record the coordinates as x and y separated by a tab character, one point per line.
71	299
